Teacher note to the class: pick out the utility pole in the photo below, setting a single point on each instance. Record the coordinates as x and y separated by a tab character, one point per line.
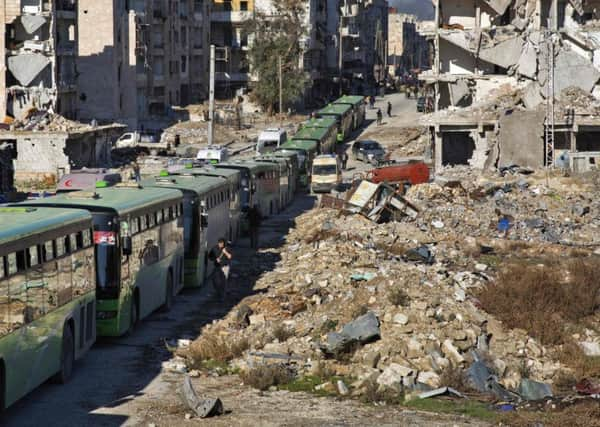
280	88
211	96
550	103
341	54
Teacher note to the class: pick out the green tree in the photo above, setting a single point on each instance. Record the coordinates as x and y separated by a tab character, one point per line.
276	35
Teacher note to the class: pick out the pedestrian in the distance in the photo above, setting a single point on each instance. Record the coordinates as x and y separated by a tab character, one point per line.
389	109
254	222
344	160
222	258
136	171
379	117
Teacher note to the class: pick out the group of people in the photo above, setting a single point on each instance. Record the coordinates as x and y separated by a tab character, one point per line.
380	114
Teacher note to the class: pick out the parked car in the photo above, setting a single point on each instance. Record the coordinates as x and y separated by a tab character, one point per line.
368	151
270	140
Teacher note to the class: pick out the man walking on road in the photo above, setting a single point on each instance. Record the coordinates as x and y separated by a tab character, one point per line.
379	117
222	258
254	221
344	159
389	109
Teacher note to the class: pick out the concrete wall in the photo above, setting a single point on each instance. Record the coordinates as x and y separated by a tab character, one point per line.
455	60
522	145
98	60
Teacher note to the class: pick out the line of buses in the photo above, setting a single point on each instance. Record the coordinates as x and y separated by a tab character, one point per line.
95	262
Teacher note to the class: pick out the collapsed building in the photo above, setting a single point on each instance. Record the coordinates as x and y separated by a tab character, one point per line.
501	64
33	156
38	44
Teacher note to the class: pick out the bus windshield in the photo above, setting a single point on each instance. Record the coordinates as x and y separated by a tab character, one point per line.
324	170
107	256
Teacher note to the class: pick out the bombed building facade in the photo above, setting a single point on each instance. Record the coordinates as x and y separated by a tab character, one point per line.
501	63
38	44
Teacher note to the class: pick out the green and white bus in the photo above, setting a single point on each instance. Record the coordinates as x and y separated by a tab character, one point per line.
284	176
305	151
234	180
344	117
260	184
359	110
47	296
205	218
325	137
291	158
138	241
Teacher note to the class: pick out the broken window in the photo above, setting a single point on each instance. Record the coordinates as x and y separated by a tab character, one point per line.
457	148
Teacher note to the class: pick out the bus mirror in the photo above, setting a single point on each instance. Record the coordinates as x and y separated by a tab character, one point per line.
204	220
127	245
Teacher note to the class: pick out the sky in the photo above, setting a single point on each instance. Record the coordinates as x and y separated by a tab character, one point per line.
422	8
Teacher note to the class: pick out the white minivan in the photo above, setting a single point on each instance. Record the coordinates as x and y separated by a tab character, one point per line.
270	139
326	174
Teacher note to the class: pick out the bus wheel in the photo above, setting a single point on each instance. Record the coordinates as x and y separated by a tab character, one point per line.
67	356
169	294
134	315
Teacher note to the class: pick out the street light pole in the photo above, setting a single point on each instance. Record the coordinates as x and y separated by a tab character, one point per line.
341	54
211	96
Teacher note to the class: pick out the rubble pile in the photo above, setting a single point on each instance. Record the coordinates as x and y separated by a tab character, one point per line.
46	121
393	304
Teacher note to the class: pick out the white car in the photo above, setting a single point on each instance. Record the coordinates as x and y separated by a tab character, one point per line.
213	154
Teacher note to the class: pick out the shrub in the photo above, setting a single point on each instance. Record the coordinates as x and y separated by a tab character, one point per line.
398	296
212	346
264	376
542	298
282	333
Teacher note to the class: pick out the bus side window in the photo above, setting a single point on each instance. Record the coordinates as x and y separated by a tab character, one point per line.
32	256
48	251
4	300
17	285
134	224
159	218
171	213
143	223
73	246
151	220
86	237
60	247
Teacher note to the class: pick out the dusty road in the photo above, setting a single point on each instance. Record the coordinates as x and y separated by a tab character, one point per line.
120	382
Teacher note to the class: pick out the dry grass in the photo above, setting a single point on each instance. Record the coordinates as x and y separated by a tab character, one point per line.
583	366
545	299
454	377
212	346
282	332
264	376
373	394
398	296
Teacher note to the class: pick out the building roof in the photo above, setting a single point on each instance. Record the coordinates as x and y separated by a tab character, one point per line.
335	109
300	144
17	223
350	100
187	183
322	122
120	199
314	134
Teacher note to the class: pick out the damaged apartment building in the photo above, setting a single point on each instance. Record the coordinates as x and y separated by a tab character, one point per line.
364	33
38	43
516	82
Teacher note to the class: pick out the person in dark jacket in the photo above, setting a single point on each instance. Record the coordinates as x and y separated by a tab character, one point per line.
254	222
221	256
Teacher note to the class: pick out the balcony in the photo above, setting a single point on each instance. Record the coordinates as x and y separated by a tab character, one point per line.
236	17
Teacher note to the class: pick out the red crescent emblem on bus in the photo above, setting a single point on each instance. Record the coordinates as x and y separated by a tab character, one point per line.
68	183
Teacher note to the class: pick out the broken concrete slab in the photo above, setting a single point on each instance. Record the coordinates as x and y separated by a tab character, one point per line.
203	408
533	390
528	61
25	68
505	54
393	375
499	6
513	135
532	96
363	329
32	23
459	92
573	70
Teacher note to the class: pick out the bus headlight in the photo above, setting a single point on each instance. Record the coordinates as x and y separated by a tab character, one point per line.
106	315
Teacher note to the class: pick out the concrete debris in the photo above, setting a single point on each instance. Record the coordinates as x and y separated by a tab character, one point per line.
32	23
27	67
204	408
443	391
533	390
